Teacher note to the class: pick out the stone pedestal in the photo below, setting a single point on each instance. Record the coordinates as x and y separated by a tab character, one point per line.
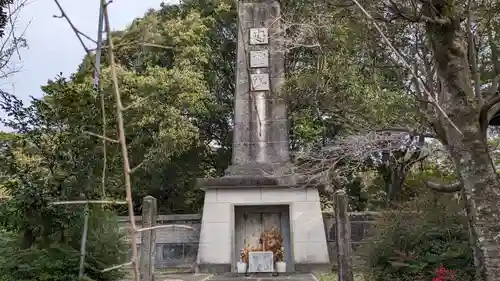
217	238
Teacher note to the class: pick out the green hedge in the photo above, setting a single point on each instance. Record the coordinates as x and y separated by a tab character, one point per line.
58	261
412	242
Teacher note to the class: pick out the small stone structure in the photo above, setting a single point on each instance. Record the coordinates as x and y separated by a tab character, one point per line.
259	191
260	262
176	247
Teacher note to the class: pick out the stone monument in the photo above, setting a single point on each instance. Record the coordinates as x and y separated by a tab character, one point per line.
260	262
258	191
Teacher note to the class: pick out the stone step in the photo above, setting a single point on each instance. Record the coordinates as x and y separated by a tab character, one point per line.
264	277
231	277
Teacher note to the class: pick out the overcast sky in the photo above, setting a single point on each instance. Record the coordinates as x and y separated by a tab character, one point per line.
53	47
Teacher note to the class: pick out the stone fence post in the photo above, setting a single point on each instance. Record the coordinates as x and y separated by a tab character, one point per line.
344	250
148	239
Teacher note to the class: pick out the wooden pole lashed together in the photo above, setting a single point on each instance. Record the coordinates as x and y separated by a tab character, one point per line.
343	237
97	74
148	239
122	140
127	170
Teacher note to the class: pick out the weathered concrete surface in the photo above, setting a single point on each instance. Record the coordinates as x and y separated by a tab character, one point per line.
260	119
308	239
288	277
232	277
182	277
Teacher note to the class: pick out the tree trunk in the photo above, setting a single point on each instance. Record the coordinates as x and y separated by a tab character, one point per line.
398	175
27	239
394	175
482	191
467	148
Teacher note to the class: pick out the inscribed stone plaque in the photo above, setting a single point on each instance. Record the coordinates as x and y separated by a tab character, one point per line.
259	58
258	36
260	262
260	82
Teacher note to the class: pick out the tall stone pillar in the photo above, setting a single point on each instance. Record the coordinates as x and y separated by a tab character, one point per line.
260	139
260	176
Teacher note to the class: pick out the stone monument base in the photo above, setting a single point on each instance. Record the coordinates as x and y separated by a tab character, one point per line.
213	268
219	241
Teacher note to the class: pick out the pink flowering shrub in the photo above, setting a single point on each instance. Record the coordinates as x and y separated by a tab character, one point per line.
443	274
422	241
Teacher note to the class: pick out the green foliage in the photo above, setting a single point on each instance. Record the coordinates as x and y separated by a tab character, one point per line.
179	87
413	186
106	244
338	83
56	263
42	164
412	242
358	196
337	88
59	261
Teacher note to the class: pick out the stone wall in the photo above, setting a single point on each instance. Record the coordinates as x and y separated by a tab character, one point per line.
177	246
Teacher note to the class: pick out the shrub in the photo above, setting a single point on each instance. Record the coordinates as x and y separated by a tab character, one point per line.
106	245
55	263
411	243
59	261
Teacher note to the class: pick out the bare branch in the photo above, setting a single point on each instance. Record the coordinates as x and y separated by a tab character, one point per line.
407	130
473	56
155	46
445	188
419	159
99	90
77	32
81	202
166	226
116	267
11	43
87	37
133	43
412	16
491	106
101	137
303	34
492	41
123	141
337	160
135	104
489	109
133	170
83	241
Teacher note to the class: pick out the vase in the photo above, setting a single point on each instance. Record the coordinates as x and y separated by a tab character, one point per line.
280	266
241	267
